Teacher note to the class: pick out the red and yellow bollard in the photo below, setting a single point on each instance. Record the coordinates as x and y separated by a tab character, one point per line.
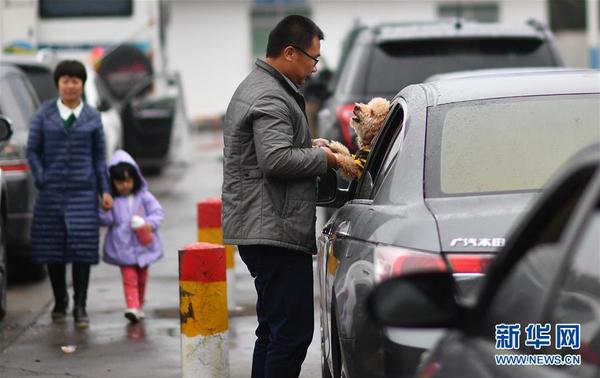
203	311
211	231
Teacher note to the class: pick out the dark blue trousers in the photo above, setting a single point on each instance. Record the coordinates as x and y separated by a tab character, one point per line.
284	284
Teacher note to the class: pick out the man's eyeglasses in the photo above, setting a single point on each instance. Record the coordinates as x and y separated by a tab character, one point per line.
316	60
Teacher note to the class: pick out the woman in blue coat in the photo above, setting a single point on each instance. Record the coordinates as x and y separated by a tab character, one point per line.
65	151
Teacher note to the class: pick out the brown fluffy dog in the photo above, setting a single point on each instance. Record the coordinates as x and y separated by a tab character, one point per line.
367	121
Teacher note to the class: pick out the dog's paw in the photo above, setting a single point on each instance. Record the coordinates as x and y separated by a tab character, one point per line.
337	147
347	167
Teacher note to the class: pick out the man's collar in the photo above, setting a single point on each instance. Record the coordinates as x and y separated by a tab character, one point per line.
277	74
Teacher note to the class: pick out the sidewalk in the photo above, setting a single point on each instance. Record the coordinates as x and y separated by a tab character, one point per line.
113	348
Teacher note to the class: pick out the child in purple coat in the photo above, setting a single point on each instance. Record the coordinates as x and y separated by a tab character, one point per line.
121	245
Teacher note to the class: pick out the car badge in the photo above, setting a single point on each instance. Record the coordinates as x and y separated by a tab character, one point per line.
478	242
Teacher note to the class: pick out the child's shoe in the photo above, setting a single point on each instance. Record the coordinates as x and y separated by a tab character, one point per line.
141	314
133	315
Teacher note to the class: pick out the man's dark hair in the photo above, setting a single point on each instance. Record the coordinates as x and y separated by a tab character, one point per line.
293	30
70	68
117	173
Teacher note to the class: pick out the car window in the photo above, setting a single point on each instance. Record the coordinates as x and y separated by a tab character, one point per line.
380	149
518	289
16	101
505	145
391	155
396	64
578	299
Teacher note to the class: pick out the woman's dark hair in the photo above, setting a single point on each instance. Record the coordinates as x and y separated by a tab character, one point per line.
70	68
117	173
293	30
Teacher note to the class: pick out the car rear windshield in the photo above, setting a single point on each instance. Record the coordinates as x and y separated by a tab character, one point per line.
397	64
505	145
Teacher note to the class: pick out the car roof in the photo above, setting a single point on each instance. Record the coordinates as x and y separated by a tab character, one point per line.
510	84
497	71
452	28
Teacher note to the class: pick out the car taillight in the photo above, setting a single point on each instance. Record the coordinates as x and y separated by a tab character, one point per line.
430	370
344	114
394	261
14	167
469	263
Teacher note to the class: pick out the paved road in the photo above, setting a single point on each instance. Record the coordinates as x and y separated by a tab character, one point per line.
30	344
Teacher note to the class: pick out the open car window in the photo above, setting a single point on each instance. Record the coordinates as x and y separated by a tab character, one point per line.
383	143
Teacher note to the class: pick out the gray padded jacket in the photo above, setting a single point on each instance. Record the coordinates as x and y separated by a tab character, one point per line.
269	166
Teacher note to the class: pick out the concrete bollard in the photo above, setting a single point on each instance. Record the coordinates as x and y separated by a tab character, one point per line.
211	231
203	311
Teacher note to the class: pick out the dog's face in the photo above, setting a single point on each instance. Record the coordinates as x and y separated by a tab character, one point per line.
368	119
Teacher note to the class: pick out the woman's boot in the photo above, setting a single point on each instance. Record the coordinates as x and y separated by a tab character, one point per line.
81	275
56	272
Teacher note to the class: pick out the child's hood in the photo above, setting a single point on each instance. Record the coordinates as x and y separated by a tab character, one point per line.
121	156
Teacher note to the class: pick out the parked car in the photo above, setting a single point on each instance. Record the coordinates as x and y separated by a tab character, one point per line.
381	60
5	134
18	102
548	274
455	164
40	72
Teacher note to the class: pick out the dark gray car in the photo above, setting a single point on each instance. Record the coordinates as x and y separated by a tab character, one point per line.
5	133
18	102
545	285
455	164
381	60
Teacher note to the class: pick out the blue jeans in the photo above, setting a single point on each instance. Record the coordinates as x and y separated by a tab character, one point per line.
285	309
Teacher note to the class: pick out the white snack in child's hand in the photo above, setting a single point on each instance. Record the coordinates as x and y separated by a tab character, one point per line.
137	221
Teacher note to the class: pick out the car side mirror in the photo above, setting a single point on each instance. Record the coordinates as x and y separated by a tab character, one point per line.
328	192
419	300
6	130
317	86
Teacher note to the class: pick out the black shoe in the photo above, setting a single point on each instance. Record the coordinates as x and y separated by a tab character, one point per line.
59	313
81	317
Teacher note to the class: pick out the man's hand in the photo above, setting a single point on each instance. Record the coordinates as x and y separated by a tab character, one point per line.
107	201
320	142
331	160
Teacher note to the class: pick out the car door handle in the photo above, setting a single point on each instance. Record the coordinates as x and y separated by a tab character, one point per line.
343	229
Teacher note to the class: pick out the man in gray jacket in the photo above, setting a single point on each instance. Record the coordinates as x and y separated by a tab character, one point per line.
269	193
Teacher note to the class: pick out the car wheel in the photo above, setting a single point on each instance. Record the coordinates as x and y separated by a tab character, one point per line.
3	270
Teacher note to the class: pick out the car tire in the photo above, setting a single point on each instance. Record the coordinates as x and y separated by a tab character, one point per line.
3	270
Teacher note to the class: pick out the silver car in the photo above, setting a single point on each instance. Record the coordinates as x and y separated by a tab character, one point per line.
455	165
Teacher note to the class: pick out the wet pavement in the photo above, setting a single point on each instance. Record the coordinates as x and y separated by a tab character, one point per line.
30	343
